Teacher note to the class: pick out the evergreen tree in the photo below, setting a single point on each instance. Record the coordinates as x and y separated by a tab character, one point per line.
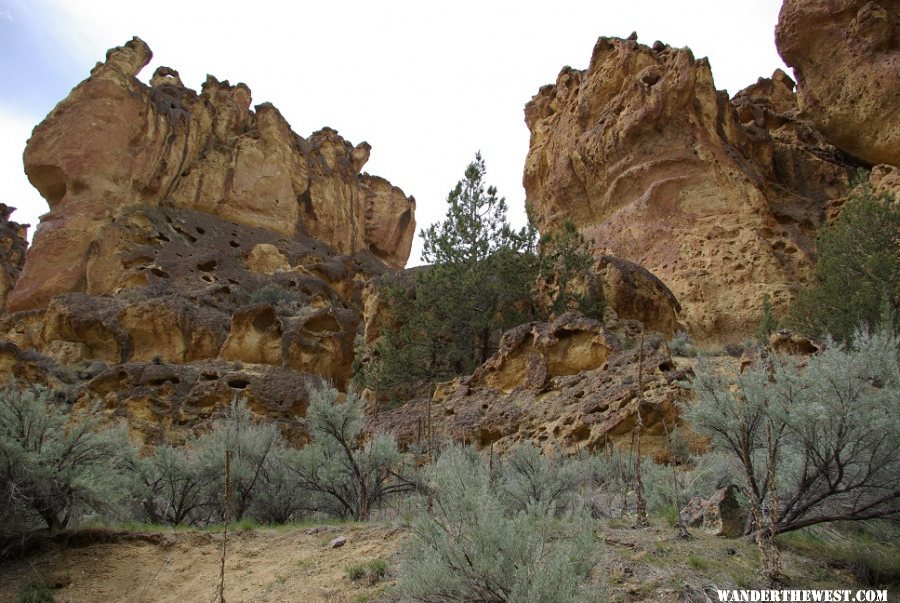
479	285
565	264
857	277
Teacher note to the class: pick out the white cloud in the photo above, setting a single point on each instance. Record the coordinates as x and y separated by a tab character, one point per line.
426	83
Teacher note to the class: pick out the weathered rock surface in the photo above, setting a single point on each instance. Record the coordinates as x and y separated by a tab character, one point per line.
637	294
571	384
166	402
12	252
719	199
846	58
195	251
720	514
115	145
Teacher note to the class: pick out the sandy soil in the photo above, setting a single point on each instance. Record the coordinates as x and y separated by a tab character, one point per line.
295	564
262	566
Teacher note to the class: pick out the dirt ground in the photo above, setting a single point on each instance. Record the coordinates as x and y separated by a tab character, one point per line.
262	566
295	564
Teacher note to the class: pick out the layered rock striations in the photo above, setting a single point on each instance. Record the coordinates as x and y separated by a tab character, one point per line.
846	58
720	199
195	250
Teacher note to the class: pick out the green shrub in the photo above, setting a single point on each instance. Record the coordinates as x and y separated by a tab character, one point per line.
827	432
371	572
766	323
356	572
274	294
469	547
857	277
346	478
56	465
681	345
669	488
529	478
36	591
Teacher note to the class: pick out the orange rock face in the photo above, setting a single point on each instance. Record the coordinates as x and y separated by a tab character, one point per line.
195	250
720	199
846	57
115	144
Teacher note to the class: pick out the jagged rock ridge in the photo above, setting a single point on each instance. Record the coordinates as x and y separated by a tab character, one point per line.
195	251
116	144
720	199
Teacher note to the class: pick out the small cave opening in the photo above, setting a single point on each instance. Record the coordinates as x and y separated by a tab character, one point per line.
238	382
207	266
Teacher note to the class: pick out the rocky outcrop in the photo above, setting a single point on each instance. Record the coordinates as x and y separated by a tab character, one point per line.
115	148
846	58
195	250
12	251
167	402
721	199
573	384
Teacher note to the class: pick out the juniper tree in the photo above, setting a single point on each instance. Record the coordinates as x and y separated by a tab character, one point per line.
565	262
857	276
478	285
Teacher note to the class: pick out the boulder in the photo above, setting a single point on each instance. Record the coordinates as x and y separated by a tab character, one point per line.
719	515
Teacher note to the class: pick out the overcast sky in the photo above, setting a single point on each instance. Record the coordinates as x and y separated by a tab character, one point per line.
427	84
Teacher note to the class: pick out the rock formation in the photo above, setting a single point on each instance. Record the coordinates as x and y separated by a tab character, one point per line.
720	514
572	384
12	252
846	58
116	148
720	199
195	250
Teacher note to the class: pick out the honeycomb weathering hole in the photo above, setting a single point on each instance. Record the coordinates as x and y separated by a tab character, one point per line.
50	181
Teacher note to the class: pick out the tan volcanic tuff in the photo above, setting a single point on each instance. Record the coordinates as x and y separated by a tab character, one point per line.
846	58
721	199
115	145
572	384
195	251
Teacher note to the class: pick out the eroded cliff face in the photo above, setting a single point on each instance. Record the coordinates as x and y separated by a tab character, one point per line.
195	251
846	58
115	146
720	199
